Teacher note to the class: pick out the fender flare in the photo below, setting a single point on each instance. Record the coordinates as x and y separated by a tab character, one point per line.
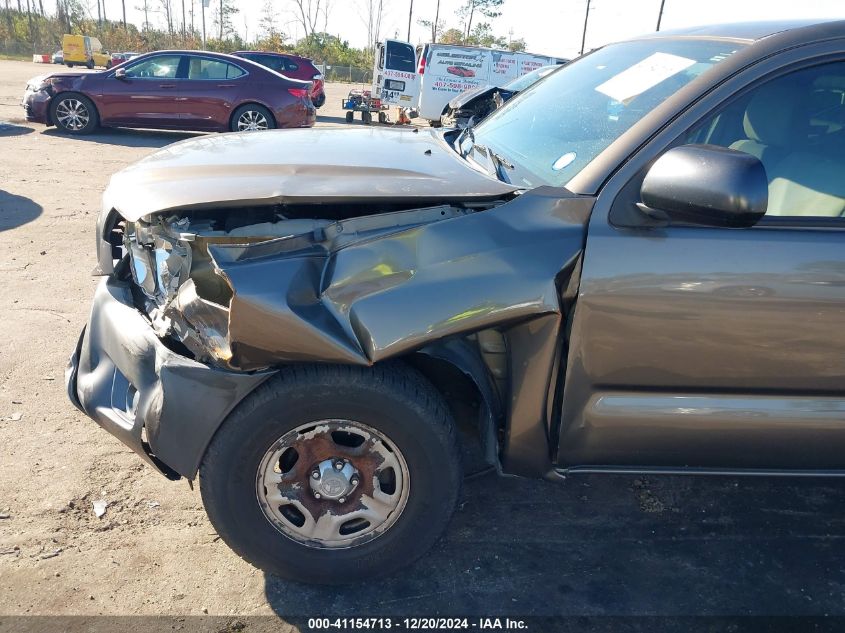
466	358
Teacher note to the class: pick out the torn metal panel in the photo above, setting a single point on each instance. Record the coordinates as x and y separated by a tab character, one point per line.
380	297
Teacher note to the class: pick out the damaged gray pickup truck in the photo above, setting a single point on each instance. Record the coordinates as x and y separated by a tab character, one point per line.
636	265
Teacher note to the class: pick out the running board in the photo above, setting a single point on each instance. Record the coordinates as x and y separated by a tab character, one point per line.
562	473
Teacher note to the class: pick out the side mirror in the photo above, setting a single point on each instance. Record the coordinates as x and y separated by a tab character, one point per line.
706	185
120	73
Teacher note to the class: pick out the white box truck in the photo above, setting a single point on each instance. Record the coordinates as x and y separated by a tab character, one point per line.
443	71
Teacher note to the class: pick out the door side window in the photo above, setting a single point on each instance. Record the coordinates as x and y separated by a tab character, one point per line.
158	67
795	125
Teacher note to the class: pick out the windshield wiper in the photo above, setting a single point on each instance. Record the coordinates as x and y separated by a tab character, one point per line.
500	163
465	133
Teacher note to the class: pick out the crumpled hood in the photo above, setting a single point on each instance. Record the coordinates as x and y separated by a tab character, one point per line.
296	166
471	94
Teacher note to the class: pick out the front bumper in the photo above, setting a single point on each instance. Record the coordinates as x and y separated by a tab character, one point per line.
164	406
36	104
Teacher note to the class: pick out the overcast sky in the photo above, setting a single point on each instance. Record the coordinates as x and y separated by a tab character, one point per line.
551	27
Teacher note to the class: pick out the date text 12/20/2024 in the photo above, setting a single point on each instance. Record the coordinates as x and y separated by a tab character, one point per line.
413	624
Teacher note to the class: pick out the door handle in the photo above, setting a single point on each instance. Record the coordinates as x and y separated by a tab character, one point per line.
167	85
225	85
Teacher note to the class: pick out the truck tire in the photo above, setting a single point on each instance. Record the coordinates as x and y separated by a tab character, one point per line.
367	118
90	64
333	474
350	116
74	113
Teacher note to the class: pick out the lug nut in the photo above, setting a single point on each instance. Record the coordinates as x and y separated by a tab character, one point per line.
317	495
341	500
316	474
338	465
354	481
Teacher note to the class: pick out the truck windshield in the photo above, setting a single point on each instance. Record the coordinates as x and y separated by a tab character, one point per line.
552	130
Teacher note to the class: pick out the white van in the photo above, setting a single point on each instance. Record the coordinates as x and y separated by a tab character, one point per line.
395	79
446	71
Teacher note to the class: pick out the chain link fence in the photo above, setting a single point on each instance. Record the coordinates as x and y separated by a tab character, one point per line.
346	74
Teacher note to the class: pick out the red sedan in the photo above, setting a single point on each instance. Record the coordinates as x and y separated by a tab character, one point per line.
182	90
293	66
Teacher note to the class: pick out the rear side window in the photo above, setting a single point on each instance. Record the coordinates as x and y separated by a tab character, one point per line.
203	68
401	57
273	63
291	66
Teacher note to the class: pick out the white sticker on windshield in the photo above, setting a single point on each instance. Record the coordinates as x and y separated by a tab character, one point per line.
564	161
643	75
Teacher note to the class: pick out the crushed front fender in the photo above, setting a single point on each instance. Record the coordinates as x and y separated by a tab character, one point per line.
384	296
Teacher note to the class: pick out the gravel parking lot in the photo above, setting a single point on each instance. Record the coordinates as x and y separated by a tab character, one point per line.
597	546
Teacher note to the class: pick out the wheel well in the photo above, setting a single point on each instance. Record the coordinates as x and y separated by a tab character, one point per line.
65	93
246	103
469	407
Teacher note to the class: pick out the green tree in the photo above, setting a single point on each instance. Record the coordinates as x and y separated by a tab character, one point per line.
452	36
224	12
517	45
482	35
487	8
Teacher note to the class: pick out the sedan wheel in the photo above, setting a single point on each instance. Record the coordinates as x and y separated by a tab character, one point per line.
74	114
252	118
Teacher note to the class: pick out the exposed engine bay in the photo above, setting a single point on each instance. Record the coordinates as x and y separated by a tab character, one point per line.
187	295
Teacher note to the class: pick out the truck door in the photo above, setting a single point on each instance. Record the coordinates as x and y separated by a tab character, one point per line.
395	78
722	348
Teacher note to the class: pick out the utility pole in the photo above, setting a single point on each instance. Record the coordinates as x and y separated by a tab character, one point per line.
410	17
203	22
584	36
660	15
184	32
124	15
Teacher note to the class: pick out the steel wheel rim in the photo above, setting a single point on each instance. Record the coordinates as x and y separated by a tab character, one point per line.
252	120
288	496
72	114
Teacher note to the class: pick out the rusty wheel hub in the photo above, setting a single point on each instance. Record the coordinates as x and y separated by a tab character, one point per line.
333	484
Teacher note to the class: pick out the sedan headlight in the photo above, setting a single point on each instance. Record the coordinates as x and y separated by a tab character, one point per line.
37	85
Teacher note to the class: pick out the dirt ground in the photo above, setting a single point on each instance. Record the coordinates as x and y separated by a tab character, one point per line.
594	546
